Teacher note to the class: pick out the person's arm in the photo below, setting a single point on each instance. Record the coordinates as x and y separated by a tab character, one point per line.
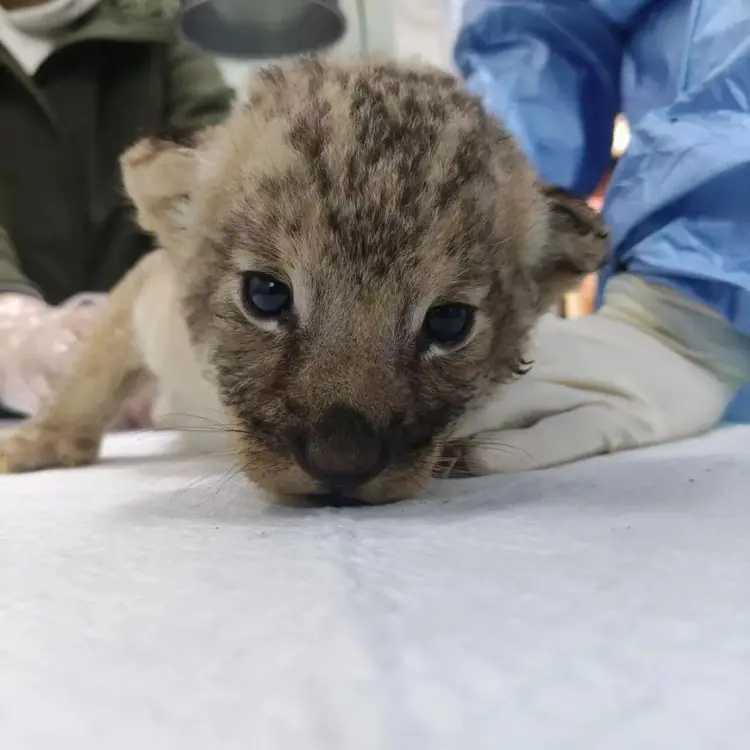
677	205
669	348
12	278
20	303
35	338
197	94
550	70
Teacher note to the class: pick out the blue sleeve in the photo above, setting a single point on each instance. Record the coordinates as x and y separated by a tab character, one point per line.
677	206
550	70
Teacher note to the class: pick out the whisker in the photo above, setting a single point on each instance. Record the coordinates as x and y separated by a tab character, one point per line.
512	450
452	472
200	417
229	475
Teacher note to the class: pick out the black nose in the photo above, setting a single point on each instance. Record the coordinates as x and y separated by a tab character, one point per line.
342	450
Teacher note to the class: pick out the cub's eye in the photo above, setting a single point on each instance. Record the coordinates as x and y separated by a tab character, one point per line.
264	296
447	325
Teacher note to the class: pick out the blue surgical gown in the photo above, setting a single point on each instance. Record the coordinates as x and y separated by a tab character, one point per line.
558	71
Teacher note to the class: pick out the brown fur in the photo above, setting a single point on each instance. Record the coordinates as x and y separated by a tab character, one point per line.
374	191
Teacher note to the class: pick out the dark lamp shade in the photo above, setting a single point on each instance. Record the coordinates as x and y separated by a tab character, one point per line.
261	29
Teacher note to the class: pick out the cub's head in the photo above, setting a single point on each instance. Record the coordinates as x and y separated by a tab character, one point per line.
363	251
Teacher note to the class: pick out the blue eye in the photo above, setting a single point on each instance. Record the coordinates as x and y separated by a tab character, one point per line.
264	296
448	325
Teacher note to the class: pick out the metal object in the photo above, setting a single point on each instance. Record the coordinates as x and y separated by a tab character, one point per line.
261	29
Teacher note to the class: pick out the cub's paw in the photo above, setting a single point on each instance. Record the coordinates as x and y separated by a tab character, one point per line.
32	447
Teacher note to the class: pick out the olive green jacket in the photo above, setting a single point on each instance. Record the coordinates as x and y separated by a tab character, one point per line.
119	74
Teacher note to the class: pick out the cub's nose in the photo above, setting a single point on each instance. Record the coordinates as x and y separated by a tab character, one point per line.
342	450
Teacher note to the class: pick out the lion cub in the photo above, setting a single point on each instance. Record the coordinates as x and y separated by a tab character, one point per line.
347	263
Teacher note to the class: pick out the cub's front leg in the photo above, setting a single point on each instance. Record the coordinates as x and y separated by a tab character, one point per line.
108	369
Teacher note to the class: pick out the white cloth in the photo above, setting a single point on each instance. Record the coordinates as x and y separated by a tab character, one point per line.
651	366
155	602
28	33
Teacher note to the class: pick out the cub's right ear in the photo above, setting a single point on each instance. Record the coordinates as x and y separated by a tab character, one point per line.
578	245
159	174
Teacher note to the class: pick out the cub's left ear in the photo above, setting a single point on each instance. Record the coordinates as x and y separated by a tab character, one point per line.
577	245
159	174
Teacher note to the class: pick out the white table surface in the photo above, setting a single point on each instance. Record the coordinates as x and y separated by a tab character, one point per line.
153	602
